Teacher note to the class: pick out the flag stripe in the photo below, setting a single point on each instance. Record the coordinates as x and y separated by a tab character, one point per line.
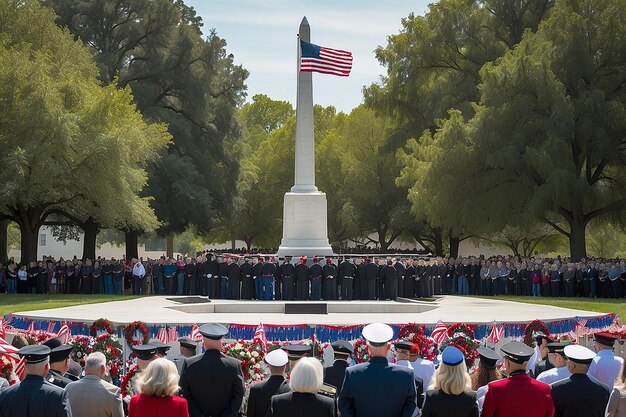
325	64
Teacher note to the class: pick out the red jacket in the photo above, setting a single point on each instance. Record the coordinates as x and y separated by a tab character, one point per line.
145	405
518	396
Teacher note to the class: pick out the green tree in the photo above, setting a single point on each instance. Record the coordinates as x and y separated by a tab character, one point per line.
60	129
178	78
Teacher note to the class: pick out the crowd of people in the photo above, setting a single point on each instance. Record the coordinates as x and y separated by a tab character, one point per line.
346	277
550	379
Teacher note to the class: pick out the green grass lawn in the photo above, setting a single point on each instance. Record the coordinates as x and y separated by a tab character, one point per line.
599	305
26	302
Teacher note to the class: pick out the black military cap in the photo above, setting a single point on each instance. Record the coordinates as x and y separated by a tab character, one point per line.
58	351
539	338
488	358
162	348
403	345
604	338
517	352
34	353
557	347
145	352
213	331
297	351
187	342
342	347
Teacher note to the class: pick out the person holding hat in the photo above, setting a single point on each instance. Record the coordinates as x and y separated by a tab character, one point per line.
486	372
301	272
334	374
377	388
450	393
557	358
605	366
34	397
212	382
261	393
579	395
187	350
518	395
617	400
59	362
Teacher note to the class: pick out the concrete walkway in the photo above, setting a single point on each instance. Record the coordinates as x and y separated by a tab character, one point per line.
449	309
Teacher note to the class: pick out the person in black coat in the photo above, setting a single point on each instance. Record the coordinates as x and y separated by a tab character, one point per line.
315	276
360	287
268	276
329	287
400	272
303	399
579	395
378	388
451	394
209	268
233	271
335	373
287	272
301	271
200	278
371	274
346	276
34	397
257	277
222	278
190	276
262	392
247	283
390	278
212	382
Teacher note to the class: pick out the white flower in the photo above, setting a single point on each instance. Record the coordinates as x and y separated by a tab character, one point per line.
255	353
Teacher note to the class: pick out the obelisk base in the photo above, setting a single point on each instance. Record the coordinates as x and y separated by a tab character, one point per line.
305	230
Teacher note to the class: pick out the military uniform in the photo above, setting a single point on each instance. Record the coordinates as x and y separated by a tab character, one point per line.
335	374
605	366
247	283
301	272
212	382
59	353
346	276
287	272
329	288
261	395
56	378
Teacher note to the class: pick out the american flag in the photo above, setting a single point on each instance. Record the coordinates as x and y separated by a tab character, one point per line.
50	326
315	58
496	334
3	332
172	334
260	337
64	333
440	332
195	333
162	335
6	347
31	327
19	368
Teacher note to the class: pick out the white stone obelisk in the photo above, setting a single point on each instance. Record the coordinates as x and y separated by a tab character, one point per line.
305	228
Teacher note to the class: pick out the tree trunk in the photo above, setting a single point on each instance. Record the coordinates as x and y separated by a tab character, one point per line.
438	242
131	244
4	241
248	244
454	246
28	244
169	249
91	228
577	242
232	245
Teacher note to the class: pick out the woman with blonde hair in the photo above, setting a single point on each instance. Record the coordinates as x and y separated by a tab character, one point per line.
158	386
303	400
450	395
617	401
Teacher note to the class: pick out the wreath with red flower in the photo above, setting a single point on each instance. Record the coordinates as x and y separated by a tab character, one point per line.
409	331
37	337
100	325
534	327
467	345
112	350
466	329
126	385
6	367
81	348
361	353
251	359
132	329
426	346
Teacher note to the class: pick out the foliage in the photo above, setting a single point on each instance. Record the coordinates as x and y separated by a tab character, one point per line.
12	303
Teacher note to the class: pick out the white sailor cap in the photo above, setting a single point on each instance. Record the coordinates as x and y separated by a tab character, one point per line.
579	354
377	334
277	357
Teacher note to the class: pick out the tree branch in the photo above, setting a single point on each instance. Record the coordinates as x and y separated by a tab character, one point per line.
557	227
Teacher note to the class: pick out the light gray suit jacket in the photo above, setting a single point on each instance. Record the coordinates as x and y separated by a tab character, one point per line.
93	397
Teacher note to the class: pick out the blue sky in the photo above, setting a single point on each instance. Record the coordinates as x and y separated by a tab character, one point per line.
261	34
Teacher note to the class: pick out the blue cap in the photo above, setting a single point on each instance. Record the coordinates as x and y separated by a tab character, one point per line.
452	356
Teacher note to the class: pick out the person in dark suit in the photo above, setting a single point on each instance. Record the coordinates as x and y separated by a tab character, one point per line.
257	277
371	275
59	362
579	395
303	399
390	278
329	274
315	276
518	395
212	382
34	397
233	271
301	271
262	392
287	272
451	394
294	354
187	350
335	373
377	388
247	283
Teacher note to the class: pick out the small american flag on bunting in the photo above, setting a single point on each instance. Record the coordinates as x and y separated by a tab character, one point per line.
440	332
3	332
195	333
260	337
315	58
172	334
64	333
496	333
162	335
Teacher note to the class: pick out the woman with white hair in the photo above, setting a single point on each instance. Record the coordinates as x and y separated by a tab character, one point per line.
450	395
158	386
303	400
